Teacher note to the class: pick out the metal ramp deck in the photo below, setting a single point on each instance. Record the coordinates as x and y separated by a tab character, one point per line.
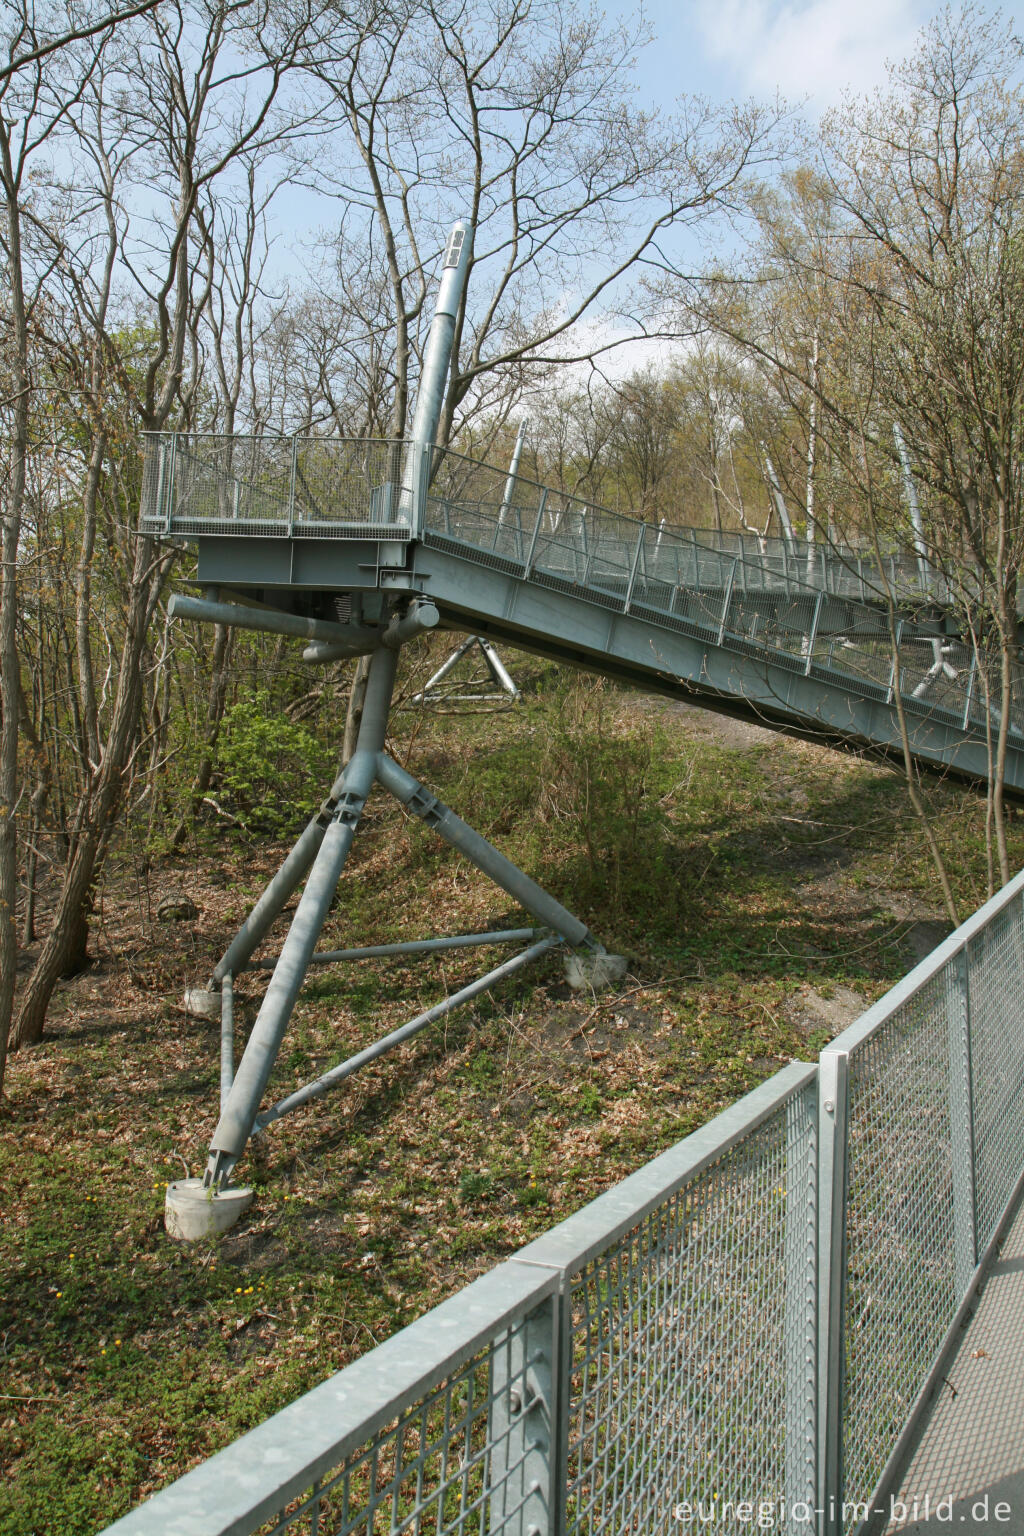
298	524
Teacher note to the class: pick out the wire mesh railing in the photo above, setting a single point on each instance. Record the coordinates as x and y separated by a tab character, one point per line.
923	1152
839	631
742	1331
823	614
202	483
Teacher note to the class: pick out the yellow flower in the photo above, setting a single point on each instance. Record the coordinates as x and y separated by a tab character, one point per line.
59	1295
102	1351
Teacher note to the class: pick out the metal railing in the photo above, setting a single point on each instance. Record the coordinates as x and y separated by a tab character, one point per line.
830	623
754	1319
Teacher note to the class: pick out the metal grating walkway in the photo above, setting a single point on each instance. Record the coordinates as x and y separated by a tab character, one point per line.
969	1462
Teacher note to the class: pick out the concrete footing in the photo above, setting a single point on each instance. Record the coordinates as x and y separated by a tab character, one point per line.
586	972
203	1002
192	1211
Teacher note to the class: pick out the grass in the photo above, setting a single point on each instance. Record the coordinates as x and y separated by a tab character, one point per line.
750	883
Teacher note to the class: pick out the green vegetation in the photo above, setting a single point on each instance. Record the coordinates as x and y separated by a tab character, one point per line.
759	886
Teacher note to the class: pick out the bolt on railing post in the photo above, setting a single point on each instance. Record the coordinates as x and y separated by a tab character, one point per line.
833	1154
523	1432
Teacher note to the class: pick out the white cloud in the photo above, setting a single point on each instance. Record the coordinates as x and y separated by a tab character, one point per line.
808	47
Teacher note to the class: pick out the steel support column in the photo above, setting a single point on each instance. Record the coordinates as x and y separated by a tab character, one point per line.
239	1113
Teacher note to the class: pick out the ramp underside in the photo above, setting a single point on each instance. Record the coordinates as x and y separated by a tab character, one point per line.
805	662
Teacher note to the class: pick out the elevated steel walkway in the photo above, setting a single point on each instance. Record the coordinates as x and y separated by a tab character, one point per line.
360	546
342	531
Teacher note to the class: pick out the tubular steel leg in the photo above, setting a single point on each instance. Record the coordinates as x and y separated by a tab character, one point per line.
442	671
239	1113
274	899
411	947
227	1038
483	854
499	671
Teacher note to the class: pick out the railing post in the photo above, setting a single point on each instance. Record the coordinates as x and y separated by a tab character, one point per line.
291	489
800	1271
637	553
527	563
833	1150
168	515
812	637
523	1431
726	600
961	1121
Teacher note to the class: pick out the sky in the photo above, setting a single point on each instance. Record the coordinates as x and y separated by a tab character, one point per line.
811	49
810	52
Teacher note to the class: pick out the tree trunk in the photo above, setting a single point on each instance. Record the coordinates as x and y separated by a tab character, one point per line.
215	701
10	663
354	713
64	948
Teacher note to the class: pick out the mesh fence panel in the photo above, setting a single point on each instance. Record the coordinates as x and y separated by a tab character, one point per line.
996	983
453	1462
692	1346
901	1270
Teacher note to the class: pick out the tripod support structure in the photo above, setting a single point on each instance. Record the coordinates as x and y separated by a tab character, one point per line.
503	688
318	857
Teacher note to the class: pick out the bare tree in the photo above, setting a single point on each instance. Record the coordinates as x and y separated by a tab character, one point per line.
188	95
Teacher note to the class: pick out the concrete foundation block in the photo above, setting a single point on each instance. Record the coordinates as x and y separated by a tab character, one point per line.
191	1211
587	972
202	1002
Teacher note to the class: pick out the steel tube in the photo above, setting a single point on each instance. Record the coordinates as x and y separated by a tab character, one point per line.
434	375
502	676
420	617
227	1038
444	669
410	947
483	854
513	471
387	1043
272	621
239	1113
283	885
